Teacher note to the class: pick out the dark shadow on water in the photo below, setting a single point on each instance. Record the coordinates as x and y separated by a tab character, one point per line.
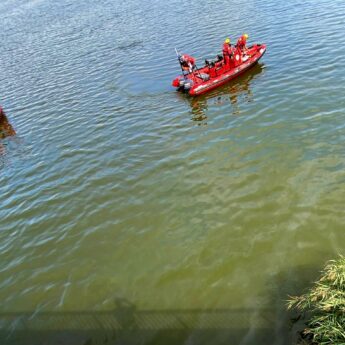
292	282
135	44
230	92
127	325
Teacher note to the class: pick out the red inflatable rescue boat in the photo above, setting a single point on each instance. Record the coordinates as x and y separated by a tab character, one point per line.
196	81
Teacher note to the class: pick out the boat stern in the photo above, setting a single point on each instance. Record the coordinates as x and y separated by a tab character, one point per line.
182	83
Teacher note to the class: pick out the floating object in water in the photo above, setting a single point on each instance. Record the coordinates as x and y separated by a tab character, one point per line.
196	81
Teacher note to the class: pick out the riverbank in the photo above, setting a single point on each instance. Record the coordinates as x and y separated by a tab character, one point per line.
325	305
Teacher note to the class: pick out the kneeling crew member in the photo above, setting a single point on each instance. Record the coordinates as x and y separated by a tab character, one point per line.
187	62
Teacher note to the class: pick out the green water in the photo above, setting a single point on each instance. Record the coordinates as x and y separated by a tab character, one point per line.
134	214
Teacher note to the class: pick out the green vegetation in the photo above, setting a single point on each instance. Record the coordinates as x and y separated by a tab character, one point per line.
326	304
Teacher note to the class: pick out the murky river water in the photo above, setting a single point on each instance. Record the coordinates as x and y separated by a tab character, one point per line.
133	214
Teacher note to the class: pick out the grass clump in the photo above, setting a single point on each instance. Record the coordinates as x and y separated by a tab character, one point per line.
326	303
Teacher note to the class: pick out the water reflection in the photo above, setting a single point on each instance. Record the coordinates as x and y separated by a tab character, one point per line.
231	92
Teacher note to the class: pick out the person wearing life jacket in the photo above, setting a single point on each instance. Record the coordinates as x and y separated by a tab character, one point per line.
241	43
187	62
241	50
227	51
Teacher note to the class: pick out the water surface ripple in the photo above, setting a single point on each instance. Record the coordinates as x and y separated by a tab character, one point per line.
124	200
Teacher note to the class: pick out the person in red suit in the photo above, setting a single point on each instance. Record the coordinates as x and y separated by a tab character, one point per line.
241	43
227	51
187	62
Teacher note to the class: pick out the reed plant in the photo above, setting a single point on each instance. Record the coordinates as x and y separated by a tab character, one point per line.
325	305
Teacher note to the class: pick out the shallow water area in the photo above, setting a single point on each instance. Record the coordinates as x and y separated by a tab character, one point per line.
131	213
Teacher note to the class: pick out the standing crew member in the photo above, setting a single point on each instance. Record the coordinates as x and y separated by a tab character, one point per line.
227	51
241	43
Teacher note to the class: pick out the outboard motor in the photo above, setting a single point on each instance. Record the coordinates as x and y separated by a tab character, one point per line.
187	84
182	83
